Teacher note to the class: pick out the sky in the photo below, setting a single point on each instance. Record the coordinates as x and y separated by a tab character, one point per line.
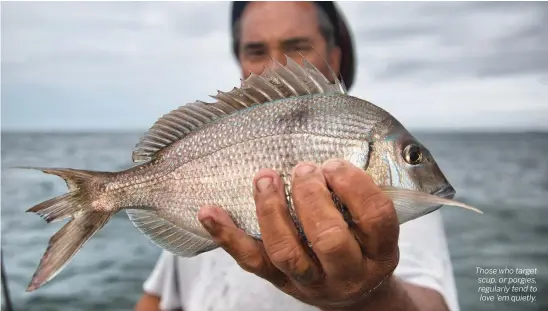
122	65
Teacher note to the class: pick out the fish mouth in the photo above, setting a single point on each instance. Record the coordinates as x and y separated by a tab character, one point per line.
447	192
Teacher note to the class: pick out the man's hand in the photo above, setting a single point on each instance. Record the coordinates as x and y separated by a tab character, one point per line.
350	263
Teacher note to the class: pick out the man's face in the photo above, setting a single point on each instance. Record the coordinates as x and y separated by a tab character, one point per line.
275	29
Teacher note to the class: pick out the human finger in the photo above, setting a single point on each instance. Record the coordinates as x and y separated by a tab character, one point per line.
372	211
278	232
324	226
247	251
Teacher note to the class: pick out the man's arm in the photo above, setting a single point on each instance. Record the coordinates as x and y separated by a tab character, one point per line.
148	302
397	295
353	262
424	298
159	289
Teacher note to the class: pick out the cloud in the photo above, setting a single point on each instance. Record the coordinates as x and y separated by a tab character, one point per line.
121	65
460	40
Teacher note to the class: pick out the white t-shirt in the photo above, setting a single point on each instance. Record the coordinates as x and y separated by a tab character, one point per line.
213	281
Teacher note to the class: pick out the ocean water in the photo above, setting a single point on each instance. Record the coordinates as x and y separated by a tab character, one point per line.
505	175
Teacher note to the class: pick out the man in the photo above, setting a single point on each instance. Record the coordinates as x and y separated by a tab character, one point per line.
405	268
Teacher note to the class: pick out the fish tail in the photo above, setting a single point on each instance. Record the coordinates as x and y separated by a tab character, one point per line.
88	215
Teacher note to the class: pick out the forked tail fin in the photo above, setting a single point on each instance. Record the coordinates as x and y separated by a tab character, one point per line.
87	218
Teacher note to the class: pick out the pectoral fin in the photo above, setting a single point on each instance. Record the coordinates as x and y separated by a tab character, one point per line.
411	204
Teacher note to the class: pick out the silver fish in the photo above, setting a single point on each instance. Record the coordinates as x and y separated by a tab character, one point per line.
207	154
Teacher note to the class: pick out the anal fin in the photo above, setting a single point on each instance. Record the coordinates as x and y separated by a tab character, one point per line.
165	234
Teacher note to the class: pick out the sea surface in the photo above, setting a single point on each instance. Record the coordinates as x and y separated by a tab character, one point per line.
505	175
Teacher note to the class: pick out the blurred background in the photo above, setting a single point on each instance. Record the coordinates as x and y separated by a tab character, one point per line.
81	81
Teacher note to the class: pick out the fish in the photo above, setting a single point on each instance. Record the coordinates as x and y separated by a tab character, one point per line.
208	153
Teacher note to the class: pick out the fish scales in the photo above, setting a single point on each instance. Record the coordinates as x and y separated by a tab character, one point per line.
220	173
315	115
219	161
208	153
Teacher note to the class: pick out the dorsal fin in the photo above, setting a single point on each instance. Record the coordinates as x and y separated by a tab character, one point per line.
287	81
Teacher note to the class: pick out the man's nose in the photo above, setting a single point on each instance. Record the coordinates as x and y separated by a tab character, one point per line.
278	56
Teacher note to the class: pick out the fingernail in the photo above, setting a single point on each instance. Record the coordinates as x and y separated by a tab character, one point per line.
263	183
209	224
304	168
332	165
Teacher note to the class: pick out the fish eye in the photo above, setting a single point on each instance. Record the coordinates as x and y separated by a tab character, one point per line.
412	154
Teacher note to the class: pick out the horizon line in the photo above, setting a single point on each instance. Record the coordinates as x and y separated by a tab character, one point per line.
410	129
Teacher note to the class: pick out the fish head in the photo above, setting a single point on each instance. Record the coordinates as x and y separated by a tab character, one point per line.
401	161
412	166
